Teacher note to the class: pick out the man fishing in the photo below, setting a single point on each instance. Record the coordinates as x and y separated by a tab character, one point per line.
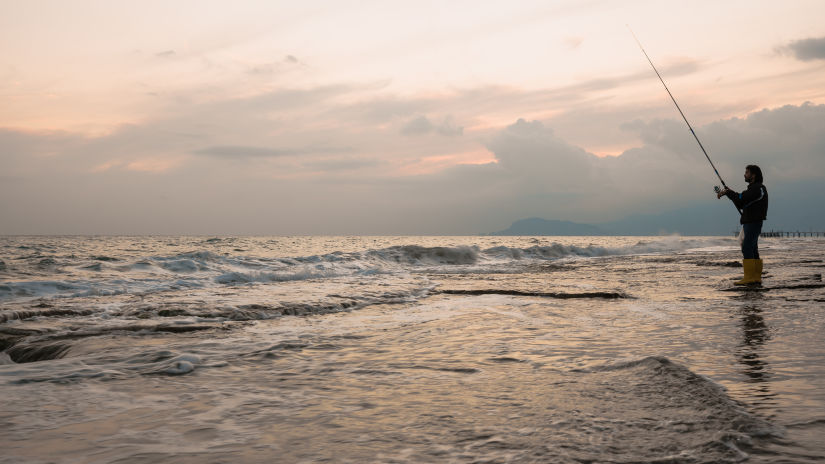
753	203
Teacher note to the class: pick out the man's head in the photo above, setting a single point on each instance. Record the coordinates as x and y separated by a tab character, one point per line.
753	174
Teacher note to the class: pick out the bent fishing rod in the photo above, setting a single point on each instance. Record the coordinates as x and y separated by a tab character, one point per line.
680	112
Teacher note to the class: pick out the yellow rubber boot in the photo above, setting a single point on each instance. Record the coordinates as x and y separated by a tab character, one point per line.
751	277
758	272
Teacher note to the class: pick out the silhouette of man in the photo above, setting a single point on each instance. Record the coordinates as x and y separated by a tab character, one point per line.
753	203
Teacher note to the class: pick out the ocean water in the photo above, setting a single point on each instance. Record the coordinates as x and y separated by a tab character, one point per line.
409	349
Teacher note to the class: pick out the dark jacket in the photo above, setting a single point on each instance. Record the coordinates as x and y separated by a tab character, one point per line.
753	203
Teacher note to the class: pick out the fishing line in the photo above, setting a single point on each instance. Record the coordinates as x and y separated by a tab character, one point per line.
680	111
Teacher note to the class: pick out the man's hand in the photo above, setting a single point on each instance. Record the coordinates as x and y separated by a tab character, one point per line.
722	193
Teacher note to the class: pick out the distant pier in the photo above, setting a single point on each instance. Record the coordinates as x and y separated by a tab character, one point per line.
781	233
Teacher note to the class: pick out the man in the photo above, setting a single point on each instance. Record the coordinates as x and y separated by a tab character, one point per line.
753	203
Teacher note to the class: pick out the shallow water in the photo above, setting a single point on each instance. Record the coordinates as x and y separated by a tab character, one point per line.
409	349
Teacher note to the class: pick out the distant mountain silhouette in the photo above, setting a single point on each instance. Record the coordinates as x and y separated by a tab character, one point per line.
714	218
538	226
793	206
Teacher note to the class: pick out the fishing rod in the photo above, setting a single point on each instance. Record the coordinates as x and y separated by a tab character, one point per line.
681	113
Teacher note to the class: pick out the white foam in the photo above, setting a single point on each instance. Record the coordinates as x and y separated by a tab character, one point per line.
182	364
236	277
203	269
183	265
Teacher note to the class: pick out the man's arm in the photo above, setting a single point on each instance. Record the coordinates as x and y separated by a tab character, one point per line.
736	198
752	194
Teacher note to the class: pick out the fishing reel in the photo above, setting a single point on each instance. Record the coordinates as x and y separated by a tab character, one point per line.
717	189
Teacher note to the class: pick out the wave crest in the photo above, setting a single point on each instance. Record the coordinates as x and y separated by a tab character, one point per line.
415	254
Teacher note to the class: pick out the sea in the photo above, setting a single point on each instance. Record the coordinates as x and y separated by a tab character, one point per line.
482	349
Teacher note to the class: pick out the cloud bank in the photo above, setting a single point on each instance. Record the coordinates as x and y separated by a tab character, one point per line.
161	177
807	49
422	125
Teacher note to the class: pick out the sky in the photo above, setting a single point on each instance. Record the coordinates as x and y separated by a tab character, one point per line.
398	117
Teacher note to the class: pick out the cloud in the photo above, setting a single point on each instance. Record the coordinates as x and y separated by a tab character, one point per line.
608	129
272	68
449	128
386	108
237	151
681	67
418	126
283	98
341	164
531	153
806	49
156	165
343	156
464	104
244	152
422	126
787	142
540	174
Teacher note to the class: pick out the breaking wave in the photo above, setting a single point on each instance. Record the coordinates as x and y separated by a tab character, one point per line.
665	389
40	276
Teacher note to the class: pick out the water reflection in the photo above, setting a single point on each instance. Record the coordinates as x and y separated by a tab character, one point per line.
755	333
